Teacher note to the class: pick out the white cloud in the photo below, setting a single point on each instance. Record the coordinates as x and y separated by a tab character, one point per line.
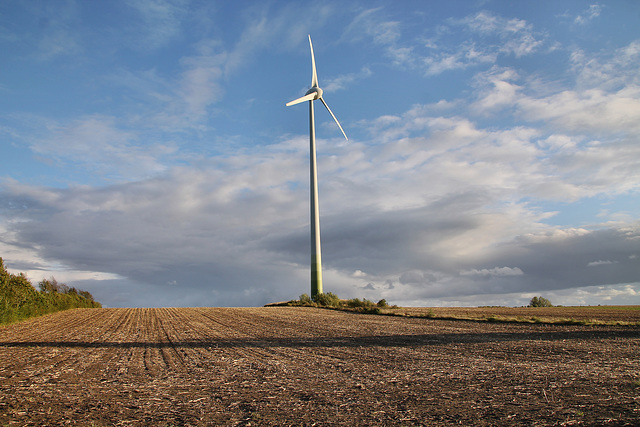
96	142
594	295
517	36
142	231
161	22
233	219
341	82
609	103
526	44
465	56
591	133
601	262
590	110
455	45
199	85
497	90
501	36
266	27
240	220
441	201
184	102
384	33
592	12
496	271
610	70
483	22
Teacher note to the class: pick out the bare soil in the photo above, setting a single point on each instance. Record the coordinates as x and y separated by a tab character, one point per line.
623	314
308	366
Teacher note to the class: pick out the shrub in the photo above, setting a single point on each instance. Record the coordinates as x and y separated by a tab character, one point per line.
363	304
327	300
20	300
305	299
86	295
540	302
331	300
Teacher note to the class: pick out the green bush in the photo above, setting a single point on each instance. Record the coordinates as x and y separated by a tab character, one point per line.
357	303
305	299
327	300
540	302
20	300
331	300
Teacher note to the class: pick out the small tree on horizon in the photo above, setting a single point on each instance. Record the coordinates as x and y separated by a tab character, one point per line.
540	302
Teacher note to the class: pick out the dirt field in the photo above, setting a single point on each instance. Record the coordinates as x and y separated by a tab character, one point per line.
306	366
623	314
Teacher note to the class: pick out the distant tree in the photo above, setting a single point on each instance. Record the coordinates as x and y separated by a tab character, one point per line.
540	302
86	295
383	303
49	285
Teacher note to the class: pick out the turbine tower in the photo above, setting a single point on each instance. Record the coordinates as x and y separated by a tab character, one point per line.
316	254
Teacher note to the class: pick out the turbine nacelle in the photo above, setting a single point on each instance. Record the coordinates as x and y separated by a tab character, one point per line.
315	90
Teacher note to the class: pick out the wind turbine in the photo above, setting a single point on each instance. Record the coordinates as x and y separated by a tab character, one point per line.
315	92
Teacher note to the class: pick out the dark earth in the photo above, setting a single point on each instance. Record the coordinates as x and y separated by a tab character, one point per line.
310	366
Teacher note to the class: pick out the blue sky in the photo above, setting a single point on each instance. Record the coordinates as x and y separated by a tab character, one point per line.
146	153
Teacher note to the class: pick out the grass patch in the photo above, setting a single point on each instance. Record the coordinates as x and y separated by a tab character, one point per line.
492	318
611	307
493	314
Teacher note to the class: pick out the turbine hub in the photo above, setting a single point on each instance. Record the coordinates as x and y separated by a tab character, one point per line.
315	90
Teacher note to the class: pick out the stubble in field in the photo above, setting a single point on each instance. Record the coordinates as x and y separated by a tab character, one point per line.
300	366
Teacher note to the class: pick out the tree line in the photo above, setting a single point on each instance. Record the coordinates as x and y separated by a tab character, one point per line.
19	299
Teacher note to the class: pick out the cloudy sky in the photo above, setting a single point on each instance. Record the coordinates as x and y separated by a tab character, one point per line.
146	153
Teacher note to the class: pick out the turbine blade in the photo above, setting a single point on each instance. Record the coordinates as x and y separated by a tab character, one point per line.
334	118
308	97
314	76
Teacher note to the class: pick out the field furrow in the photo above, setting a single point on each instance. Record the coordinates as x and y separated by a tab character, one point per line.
306	366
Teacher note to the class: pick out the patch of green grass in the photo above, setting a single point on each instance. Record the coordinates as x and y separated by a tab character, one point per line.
611	307
365	306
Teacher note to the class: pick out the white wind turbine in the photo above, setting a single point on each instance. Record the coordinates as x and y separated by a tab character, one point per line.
312	94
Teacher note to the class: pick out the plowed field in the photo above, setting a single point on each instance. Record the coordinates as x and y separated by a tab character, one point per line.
306	366
605	314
